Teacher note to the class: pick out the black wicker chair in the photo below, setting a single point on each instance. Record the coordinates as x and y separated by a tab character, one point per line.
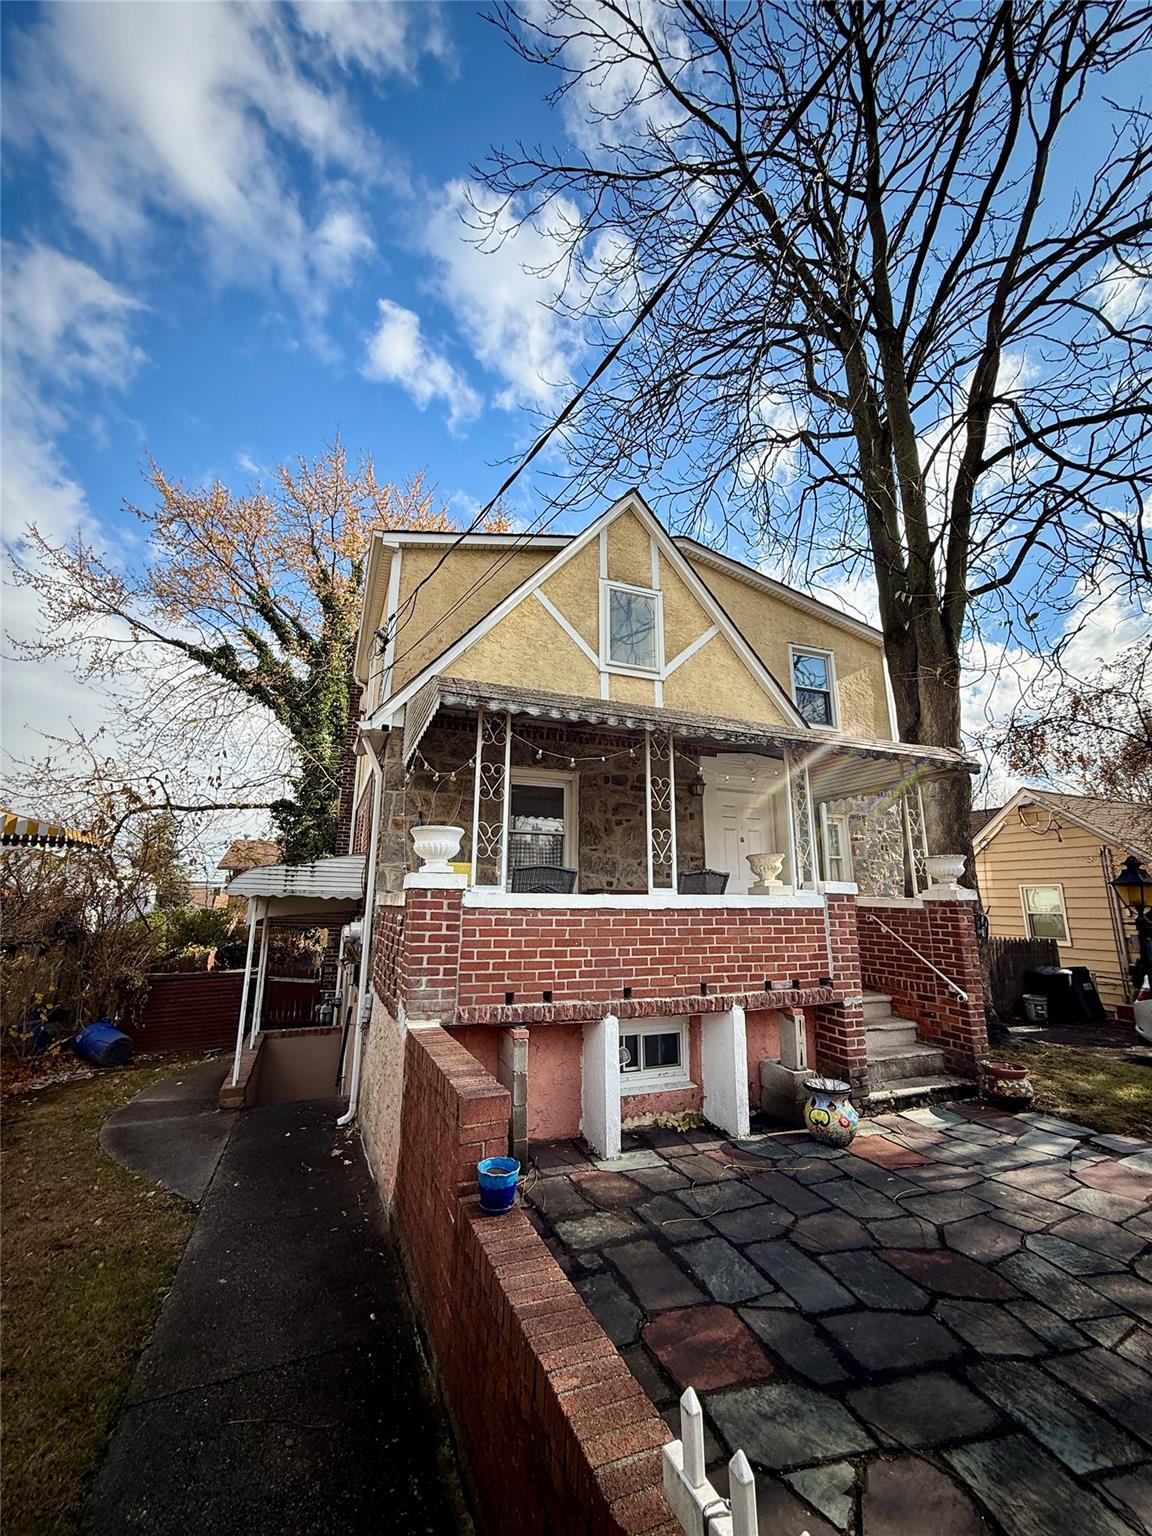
544	879
702	882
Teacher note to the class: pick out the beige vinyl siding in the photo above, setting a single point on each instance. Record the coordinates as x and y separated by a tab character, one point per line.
1069	858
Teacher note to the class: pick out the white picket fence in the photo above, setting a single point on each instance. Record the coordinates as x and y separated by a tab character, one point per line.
700	1510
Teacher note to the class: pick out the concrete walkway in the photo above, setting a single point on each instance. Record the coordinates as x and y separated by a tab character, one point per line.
282	1391
173	1132
944	1329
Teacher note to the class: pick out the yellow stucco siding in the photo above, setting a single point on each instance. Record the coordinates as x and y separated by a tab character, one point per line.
684	619
414	648
1071	860
575	591
716	682
631	690
770	624
629	551
528	647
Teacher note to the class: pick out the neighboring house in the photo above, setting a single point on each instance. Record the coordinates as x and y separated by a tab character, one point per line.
631	709
245	853
1043	863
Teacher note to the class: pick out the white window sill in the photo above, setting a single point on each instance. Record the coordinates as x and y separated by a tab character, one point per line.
637	1088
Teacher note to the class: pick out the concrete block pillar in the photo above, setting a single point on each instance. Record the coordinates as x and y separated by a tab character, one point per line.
793	1042
600	1086
724	1069
782	1090
512	1073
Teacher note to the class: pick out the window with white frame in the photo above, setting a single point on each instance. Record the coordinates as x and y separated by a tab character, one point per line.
1044	912
837	848
631	627
542	819
814	685
653	1055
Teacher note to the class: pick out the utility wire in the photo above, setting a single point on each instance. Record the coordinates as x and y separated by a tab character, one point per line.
385	636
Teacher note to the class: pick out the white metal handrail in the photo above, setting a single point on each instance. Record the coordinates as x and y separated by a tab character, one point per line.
923	959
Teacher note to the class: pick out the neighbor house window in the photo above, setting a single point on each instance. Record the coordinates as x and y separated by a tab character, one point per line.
1044	912
541	820
814	685
631	627
653	1056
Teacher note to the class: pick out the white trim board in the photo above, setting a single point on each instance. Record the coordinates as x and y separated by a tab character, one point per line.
492	896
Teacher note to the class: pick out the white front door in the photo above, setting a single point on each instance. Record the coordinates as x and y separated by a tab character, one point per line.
739	819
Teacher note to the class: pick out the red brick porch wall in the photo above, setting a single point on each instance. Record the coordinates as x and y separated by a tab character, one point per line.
944	932
558	1436
658	952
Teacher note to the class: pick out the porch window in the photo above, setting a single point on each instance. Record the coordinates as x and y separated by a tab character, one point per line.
653	1056
541	823
1044	912
631	627
814	685
837	848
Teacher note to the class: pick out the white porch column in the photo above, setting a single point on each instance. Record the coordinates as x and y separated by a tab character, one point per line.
724	1069
244	993
261	975
600	1086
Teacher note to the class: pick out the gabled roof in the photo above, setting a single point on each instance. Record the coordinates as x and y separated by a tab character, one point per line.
633	502
1118	823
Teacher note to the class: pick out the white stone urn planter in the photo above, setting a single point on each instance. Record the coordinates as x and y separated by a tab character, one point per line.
944	870
766	867
437	847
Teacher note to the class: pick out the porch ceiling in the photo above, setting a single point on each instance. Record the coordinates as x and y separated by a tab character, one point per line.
845	765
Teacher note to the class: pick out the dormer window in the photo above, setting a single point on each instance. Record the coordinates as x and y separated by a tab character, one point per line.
631	623
814	685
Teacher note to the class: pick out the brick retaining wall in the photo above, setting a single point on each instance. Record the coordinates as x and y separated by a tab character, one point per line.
558	1436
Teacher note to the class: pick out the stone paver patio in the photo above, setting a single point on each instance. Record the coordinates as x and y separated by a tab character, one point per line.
945	1329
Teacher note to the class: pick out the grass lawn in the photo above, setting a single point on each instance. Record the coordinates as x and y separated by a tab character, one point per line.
89	1251
1094	1087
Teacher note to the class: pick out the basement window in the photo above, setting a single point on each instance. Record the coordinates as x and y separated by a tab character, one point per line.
654	1056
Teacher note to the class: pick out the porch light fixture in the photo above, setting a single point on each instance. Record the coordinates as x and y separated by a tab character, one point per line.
697	786
1133	885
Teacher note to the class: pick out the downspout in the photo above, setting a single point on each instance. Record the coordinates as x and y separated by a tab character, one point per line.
363	996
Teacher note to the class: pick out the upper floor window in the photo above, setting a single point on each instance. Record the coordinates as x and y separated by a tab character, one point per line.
631	623
1044	912
814	685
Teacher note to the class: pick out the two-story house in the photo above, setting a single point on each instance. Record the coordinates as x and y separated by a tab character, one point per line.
620	722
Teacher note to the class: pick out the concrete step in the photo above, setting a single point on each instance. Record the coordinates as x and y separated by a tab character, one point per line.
916	1092
887	1033
890	1066
877	1005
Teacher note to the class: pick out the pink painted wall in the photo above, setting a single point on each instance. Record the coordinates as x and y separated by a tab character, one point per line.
554	1068
481	1041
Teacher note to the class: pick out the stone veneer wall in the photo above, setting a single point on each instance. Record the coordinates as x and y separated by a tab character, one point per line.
612	816
877	836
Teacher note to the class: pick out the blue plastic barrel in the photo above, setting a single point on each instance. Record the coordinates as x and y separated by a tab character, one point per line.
101	1042
497	1177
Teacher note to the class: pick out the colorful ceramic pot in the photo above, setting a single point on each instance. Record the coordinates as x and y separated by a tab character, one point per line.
1006	1086
828	1112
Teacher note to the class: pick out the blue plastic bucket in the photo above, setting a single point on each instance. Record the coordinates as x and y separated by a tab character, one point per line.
497	1177
102	1043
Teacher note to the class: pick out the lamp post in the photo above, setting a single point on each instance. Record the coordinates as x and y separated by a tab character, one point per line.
1133	885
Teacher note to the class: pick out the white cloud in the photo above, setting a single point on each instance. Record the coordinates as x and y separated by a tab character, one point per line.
500	295
397	353
1123	294
157	111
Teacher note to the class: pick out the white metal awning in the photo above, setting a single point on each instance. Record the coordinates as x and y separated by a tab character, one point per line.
324	880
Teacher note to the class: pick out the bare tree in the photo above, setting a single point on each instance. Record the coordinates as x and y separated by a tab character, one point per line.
917	341
234	635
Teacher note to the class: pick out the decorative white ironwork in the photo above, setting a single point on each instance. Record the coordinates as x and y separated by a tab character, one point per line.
490	798
804	839
917	840
660	783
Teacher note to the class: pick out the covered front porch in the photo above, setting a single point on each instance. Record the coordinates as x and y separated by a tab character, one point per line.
638	801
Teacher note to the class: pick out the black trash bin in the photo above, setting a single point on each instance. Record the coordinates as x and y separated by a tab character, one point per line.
1070	991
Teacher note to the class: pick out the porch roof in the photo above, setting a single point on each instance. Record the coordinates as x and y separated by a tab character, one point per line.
325	893
843	765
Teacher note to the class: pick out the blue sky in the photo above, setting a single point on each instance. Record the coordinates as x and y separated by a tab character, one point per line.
231	231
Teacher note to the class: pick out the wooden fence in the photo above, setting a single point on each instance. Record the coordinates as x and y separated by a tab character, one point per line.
1008	959
197	1010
